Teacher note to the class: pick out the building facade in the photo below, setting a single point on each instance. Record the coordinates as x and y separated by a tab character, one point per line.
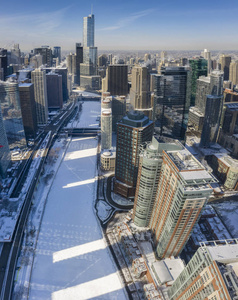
140	94
183	190
233	72
210	274
199	68
148	178
133	130
225	61
5	156
11	114
38	78
117	80
172	99
28	109
54	90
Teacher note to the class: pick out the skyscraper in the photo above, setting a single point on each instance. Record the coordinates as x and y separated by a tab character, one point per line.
211	85
172	100
38	78
5	156
57	53
28	109
183	190
3	61
11	114
199	68
213	110
210	274
118	110
133	130
151	158
140	88
106	128
46	53
233	74
54	90
117	80
79	60
88	31
88	69
225	61
207	55
64	73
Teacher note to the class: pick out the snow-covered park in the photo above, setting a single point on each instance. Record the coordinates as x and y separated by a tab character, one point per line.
72	260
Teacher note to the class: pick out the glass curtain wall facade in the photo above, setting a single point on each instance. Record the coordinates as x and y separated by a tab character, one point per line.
11	114
172	98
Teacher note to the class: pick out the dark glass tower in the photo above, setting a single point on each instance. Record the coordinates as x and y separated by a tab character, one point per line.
133	130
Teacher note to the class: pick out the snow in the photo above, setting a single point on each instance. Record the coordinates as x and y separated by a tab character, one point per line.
72	260
228	212
88	115
103	210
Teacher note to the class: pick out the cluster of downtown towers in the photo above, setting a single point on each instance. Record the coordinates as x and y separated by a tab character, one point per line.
169	185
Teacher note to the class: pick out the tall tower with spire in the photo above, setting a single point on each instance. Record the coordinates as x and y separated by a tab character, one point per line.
88	69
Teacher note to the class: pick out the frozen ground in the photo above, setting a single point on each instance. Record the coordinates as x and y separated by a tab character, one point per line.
228	211
72	260
88	116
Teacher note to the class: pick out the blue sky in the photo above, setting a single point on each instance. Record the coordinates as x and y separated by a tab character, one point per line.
131	24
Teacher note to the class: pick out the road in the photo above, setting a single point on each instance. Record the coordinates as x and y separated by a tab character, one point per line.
11	250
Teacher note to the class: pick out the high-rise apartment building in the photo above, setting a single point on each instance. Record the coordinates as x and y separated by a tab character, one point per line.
199	68
225	61
172	99
38	78
134	129
210	274
117	80
106	128
28	109
54	91
183	190
151	158
11	114
233	72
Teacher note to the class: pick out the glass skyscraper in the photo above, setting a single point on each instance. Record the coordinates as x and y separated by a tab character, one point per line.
11	114
88	31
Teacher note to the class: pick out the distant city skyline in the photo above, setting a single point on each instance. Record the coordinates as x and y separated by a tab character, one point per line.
128	25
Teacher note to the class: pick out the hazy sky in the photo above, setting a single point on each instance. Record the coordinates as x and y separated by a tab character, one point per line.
122	24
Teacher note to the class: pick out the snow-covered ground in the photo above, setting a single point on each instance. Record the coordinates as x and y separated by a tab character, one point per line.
228	211
72	260
88	115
